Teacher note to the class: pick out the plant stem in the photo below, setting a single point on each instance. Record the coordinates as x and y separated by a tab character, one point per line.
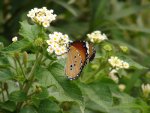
21	68
6	89
16	68
7	92
92	74
97	71
2	92
30	79
31	74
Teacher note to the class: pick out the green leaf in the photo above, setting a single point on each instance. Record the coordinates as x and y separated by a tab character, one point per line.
17	46
48	106
28	109
100	94
67	89
29	31
43	76
72	10
128	104
99	8
41	94
132	63
3	40
8	105
130	46
18	96
5	75
127	12
4	62
134	28
79	27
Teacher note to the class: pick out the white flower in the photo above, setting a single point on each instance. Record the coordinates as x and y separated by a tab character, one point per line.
122	87
50	49
49	42
112	72
55	38
114	61
31	13
113	76
117	63
97	37
55	45
58	51
42	16
58	42
146	90
14	39
45	24
125	65
63	49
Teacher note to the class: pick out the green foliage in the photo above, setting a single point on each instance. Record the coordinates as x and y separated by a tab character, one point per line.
48	106
18	96
36	82
5	75
17	46
8	105
29	31
28	109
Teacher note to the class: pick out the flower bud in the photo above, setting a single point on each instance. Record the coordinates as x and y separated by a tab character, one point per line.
124	49
16	55
122	87
148	74
25	58
38	42
107	47
38	89
94	66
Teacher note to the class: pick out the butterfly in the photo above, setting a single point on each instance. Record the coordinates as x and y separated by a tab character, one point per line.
79	54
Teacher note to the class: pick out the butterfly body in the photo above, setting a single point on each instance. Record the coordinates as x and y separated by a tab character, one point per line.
79	54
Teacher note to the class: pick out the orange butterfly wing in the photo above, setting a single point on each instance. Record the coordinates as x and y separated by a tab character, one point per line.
75	60
78	55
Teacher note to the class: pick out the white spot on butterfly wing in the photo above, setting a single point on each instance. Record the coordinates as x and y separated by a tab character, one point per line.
87	46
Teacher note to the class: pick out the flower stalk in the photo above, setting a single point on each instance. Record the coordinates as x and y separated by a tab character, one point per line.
31	74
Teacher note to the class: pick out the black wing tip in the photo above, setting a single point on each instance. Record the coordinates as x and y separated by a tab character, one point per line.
93	55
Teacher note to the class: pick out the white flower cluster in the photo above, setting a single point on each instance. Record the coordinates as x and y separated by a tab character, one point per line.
97	37
58	43
14	39
42	16
146	89
118	63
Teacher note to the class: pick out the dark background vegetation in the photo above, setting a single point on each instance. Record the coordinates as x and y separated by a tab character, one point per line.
126	22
